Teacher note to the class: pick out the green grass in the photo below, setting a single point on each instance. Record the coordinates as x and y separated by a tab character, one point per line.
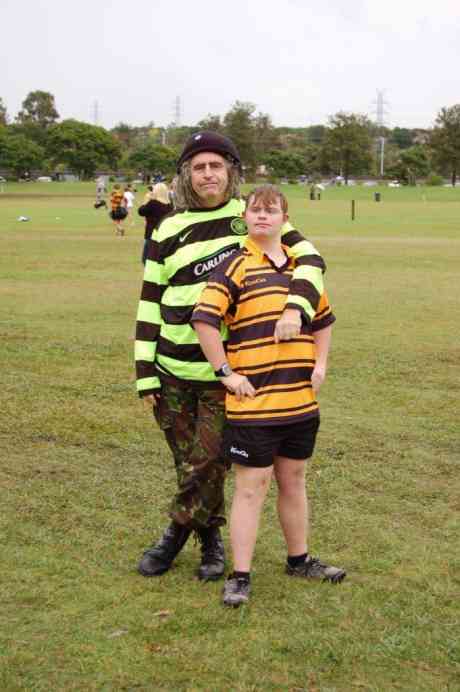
86	477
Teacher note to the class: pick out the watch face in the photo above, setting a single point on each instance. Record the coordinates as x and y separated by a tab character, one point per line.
226	369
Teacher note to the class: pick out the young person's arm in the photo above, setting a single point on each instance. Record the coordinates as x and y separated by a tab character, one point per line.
322	331
213	348
322	340
218	295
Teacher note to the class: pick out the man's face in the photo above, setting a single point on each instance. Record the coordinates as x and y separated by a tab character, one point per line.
264	219
209	178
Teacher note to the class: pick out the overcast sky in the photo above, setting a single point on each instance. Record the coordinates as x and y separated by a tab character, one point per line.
297	60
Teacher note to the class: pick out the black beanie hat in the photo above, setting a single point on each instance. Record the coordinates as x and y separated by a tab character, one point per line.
209	141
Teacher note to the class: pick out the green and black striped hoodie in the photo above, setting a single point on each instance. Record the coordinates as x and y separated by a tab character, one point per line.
182	254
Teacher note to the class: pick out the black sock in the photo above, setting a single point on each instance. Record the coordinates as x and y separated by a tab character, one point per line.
296	560
246	576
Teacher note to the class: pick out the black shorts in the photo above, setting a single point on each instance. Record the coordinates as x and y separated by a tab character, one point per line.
257	445
118	214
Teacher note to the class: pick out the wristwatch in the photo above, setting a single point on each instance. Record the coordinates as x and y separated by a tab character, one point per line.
224	371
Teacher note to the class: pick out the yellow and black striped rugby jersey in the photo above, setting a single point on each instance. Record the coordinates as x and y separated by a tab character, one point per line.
182	254
248	292
116	198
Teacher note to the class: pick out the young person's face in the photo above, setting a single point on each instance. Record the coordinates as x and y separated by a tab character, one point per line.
264	219
209	177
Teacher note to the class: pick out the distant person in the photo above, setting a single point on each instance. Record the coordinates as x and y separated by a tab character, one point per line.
172	191
100	193
129	198
271	406
118	212
156	206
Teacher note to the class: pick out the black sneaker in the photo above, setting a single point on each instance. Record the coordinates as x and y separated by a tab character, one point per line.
313	568
236	592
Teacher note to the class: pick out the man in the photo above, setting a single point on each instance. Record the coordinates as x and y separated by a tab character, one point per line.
173	374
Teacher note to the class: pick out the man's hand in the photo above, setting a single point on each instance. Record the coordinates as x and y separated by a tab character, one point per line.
317	378
150	400
239	385
288	325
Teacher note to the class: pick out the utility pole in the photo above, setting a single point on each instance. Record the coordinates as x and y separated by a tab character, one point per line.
96	112
380	113
177	116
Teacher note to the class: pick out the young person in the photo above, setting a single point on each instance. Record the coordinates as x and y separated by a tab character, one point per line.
118	211
271	407
173	375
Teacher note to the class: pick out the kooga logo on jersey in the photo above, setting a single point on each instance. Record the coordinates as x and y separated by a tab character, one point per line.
209	264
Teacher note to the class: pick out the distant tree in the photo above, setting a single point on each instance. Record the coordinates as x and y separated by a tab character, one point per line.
82	147
412	163
283	164
31	130
402	137
39	108
3	113
316	133
239	126
151	158
348	143
176	136
445	141
211	122
125	134
266	137
19	153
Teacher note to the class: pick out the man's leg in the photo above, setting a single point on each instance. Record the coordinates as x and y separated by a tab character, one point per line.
200	500
176	415
201	469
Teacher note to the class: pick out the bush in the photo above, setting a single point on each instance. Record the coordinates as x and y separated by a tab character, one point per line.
434	180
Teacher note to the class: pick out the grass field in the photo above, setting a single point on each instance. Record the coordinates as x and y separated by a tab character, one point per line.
82	466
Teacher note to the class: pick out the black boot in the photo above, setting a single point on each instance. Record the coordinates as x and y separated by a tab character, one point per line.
158	559
212	554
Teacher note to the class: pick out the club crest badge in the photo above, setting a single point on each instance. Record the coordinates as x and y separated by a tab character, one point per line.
238	226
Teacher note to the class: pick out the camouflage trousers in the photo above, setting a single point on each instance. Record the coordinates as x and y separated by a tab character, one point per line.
192	421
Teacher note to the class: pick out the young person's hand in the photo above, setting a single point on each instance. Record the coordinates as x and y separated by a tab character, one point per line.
288	325
239	385
317	378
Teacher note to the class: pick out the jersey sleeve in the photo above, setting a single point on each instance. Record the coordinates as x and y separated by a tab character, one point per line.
324	315
149	322
306	287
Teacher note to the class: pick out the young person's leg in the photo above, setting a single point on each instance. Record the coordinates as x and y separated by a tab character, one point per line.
290	462
292	503
251	486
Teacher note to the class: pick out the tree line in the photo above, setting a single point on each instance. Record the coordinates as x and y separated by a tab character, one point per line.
350	144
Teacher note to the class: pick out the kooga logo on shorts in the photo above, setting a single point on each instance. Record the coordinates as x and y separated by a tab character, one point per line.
209	264
241	452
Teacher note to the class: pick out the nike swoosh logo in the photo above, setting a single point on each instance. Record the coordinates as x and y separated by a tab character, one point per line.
184	237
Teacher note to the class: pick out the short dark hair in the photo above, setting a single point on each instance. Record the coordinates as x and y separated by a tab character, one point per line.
267	194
